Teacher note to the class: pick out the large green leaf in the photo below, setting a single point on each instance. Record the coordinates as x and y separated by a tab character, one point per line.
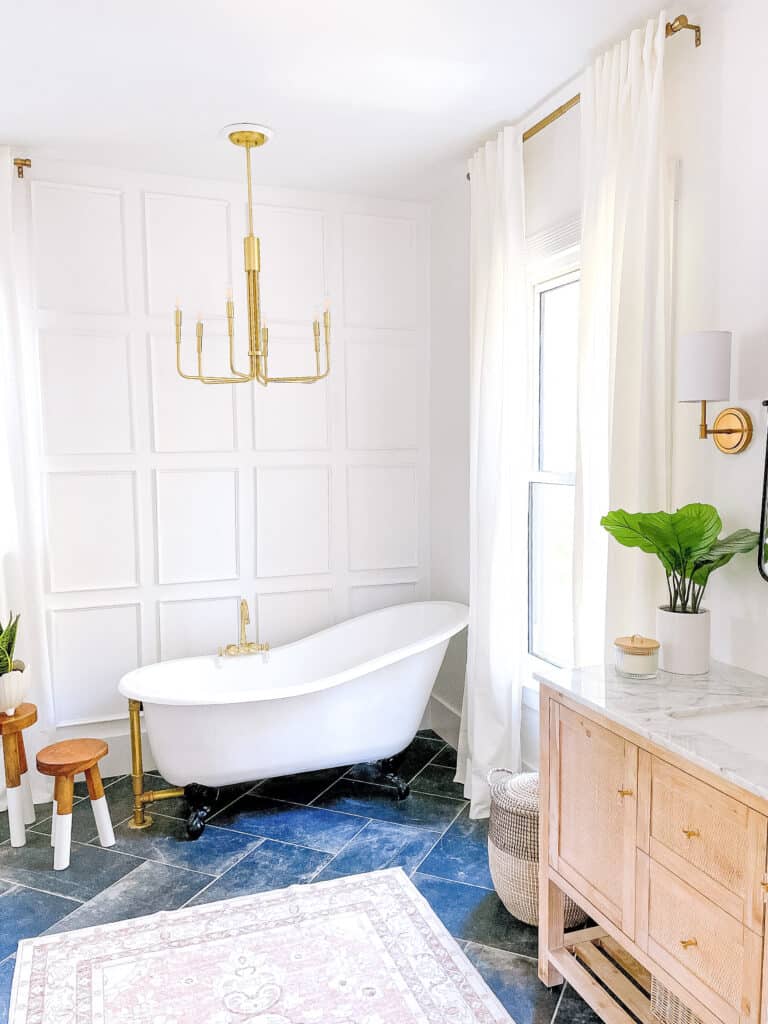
689	532
627	528
721	552
5	662
633	530
737	543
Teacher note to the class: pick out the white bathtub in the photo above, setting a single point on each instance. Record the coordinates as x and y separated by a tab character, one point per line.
354	692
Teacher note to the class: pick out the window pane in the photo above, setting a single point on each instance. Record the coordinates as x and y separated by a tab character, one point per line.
558	339
550	597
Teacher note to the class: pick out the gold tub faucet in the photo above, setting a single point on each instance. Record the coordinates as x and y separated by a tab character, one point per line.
243	647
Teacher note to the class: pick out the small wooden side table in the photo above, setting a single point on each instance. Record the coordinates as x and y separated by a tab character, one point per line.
21	808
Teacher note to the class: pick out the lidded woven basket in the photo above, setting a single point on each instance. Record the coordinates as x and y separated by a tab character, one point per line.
513	846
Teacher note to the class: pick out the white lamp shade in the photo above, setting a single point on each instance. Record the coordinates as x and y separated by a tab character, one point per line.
704	366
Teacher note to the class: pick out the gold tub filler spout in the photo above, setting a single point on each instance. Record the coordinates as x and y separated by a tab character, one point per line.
141	798
244	646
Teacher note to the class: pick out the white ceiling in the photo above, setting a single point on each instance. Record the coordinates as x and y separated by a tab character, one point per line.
376	98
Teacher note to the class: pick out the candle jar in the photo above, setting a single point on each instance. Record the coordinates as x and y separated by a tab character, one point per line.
636	657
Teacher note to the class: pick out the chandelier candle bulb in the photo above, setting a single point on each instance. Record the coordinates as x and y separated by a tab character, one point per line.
636	656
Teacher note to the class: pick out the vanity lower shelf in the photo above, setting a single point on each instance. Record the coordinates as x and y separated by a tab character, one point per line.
667	859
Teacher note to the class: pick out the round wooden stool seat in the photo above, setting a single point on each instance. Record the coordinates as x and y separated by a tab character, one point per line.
21	807
24	716
64	761
70	757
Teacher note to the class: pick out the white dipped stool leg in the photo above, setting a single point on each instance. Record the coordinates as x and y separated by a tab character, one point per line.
63	842
61	828
103	821
26	786
16	816
99	806
53	822
12	761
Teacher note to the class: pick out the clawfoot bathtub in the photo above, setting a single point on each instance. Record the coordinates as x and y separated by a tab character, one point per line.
354	692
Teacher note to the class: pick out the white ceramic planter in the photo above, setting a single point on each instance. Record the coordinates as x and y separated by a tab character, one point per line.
684	640
13	690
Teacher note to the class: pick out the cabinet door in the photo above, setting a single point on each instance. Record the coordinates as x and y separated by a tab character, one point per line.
593	808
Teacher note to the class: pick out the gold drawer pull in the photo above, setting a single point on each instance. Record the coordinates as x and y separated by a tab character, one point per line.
688	943
626	792
691	833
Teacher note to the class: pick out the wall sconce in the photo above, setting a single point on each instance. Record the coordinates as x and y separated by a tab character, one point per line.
704	375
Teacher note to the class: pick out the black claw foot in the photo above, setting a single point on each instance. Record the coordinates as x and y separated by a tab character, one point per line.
202	802
389	769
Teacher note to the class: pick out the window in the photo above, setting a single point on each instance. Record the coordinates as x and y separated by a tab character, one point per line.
553	473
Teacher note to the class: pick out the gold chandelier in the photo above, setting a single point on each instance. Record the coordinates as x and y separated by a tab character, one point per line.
249	136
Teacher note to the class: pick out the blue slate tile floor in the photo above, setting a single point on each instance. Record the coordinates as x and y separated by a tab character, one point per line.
279	832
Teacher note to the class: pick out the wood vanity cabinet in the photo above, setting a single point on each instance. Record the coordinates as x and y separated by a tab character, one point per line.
668	860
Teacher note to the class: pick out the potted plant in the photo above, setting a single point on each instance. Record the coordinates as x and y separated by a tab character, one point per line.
688	545
12	688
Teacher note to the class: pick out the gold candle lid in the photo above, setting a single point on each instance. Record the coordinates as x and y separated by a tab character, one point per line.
637	644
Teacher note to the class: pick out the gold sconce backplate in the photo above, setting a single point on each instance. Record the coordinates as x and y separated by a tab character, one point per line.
732	430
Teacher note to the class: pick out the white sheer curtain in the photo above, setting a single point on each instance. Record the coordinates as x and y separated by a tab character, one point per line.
499	383
625	325
21	499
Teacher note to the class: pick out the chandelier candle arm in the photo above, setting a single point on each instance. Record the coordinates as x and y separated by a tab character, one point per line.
249	137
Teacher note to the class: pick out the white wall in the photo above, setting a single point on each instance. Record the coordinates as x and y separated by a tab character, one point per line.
167	500
715	107
449	427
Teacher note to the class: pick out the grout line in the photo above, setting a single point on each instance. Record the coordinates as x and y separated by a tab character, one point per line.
343	848
470	885
559	1001
500	949
324	791
230	868
385	786
272	839
45	892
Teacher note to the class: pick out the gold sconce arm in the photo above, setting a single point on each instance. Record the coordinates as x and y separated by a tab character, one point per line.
732	429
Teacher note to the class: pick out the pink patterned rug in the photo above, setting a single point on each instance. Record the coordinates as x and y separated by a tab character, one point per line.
361	950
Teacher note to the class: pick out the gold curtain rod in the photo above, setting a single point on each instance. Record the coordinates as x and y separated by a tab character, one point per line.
673	27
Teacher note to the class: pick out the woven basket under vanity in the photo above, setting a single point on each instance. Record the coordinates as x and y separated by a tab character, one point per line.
667	1008
513	846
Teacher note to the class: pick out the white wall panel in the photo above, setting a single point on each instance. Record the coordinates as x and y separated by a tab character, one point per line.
383	519
86	393
302	498
384	397
293	263
380	595
188	416
382	272
291	417
291	615
188	256
189	628
91	649
292	520
79	248
92	531
197	527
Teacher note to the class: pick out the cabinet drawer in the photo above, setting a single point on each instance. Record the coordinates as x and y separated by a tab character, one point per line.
712	954
709	839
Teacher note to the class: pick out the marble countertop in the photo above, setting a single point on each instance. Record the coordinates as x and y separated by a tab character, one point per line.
719	721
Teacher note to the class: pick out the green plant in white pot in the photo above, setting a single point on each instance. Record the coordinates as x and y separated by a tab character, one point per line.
12	684
688	545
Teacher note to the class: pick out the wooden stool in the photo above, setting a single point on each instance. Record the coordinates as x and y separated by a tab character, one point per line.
64	761
21	808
